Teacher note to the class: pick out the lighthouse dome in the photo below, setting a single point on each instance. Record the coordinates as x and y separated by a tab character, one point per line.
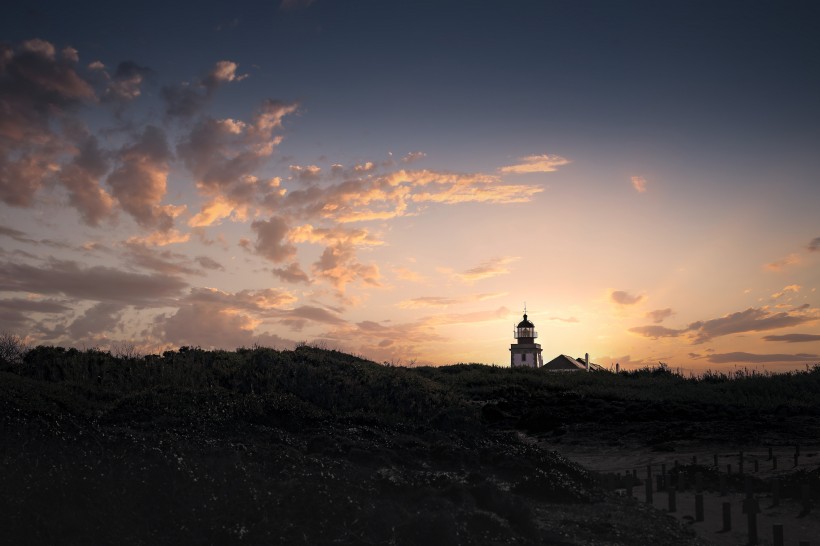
525	323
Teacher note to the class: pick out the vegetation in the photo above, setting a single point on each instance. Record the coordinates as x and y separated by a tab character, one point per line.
317	446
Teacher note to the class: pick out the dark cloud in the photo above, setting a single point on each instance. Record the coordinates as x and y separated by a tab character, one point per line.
624	298
209	263
751	358
15	234
34	306
656	332
793	338
126	83
186	100
750	320
814	245
659	315
161	261
102	317
183	101
38	88
271	239
82	178
92	283
292	273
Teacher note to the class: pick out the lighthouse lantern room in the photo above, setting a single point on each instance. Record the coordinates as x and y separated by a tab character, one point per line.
526	352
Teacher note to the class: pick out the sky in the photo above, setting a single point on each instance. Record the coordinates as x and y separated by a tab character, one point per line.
398	179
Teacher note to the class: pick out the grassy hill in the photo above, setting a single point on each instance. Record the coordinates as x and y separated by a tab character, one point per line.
320	447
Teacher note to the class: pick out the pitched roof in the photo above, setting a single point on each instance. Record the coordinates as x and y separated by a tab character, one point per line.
564	362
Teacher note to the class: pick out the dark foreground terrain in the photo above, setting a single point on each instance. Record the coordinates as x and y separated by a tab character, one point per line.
319	447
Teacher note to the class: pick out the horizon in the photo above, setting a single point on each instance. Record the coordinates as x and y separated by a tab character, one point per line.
395	180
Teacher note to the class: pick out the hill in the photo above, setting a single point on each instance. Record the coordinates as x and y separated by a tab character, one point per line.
320	447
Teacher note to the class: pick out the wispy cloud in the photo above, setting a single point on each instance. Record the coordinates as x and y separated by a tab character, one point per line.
793	338
752	358
750	320
791	289
639	183
659	315
780	265
621	297
444	301
491	268
544	163
814	245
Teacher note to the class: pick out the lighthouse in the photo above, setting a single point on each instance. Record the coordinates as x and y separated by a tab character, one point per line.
526	352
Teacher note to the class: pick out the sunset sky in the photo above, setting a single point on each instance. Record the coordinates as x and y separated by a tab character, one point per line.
396	178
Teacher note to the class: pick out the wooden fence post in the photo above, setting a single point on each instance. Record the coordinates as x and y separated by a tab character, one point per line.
805	498
774	462
776	492
699	507
716	460
740	463
722	479
673	504
751	514
727	517
777	534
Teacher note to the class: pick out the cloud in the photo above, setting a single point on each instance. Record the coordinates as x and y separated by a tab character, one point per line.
161	261
413	156
102	317
309	173
15	234
622	297
292	273
791	289
138	181
126	84
750	320
368	196
309	234
723	358
222	72
780	265
338	265
186	100
443	301
639	183
271	239
655	332
536	164
39	92
408	275
209	263
793	338
659	315
491	268
814	245
82	178
97	283
567	319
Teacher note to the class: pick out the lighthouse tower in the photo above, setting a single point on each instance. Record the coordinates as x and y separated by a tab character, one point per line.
526	352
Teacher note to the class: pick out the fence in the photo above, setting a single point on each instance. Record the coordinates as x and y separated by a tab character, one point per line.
725	476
